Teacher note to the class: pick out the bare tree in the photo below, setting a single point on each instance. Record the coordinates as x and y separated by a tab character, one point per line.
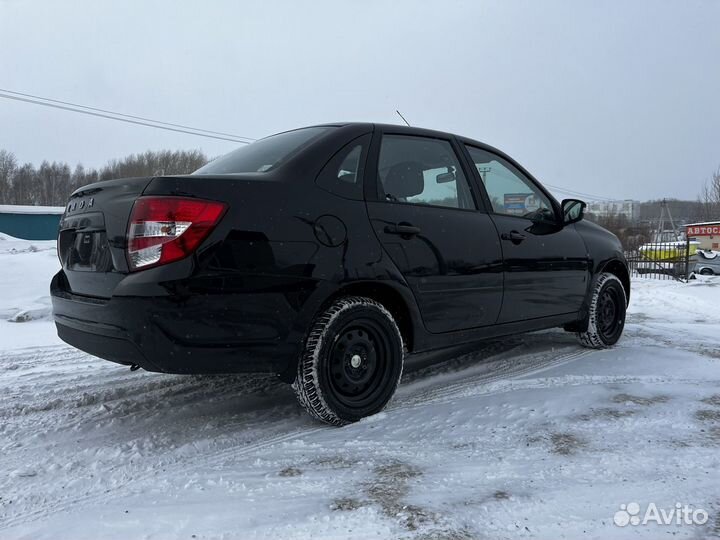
154	163
8	166
710	198
22	189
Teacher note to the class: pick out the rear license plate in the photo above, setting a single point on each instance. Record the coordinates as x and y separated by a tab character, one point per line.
89	252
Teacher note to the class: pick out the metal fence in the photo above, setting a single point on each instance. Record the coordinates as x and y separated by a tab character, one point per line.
662	260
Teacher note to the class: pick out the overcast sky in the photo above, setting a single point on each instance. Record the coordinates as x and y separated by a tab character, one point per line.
617	99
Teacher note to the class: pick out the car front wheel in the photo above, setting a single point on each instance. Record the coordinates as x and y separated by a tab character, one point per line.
607	313
352	361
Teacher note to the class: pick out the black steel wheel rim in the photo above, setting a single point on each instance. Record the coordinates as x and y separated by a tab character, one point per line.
359	363
609	313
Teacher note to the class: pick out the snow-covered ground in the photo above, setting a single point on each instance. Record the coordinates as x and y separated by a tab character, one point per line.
26	268
528	437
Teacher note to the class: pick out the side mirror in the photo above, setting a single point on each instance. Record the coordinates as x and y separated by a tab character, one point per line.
573	210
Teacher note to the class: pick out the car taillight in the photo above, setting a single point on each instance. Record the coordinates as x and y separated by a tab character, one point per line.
166	229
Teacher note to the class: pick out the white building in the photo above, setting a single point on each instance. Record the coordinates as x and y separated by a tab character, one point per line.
707	234
627	208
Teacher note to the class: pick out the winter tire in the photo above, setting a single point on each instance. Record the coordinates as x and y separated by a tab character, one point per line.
608	304
352	362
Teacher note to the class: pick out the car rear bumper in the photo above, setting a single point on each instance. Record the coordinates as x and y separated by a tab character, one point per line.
206	333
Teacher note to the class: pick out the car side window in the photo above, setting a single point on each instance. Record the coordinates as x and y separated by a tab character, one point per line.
421	170
510	192
342	175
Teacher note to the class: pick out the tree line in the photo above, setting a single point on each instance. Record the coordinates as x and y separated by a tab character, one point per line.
51	183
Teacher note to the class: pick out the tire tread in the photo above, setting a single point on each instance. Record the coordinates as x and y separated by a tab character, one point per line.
307	385
591	338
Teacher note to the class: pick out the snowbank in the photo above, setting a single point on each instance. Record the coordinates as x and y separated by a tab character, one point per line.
26	268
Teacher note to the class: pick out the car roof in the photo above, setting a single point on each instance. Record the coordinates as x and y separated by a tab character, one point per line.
419	131
414	130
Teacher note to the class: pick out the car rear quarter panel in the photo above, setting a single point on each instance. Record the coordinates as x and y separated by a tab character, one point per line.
283	249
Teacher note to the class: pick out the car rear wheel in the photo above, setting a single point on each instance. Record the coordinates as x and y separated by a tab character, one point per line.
352	362
706	272
607	313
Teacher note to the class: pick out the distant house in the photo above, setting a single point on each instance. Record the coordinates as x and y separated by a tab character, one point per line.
628	208
707	233
30	222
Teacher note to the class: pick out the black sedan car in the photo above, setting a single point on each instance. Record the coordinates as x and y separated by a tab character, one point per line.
329	255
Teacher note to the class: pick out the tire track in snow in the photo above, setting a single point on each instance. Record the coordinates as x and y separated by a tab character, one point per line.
72	393
654	334
510	367
70	503
513	384
48	414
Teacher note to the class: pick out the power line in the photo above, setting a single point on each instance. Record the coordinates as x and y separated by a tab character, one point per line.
124	115
120	117
578	193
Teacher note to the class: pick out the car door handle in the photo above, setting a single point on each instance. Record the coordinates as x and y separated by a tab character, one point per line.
514	237
403	229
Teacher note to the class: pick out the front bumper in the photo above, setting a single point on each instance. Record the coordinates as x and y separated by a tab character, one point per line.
202	333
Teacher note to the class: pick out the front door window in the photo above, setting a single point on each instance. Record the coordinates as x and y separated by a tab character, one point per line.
509	191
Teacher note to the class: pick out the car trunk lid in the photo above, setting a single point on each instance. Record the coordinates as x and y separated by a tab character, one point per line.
92	235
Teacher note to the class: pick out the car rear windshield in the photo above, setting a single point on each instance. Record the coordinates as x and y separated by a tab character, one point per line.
265	154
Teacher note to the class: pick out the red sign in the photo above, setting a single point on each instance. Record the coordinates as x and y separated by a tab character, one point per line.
704	230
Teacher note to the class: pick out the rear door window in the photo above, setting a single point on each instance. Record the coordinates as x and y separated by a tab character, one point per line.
422	170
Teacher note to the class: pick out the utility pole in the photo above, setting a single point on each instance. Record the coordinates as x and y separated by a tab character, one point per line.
484	170
665	209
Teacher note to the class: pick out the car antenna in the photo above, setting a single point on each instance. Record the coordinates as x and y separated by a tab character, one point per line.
401	116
